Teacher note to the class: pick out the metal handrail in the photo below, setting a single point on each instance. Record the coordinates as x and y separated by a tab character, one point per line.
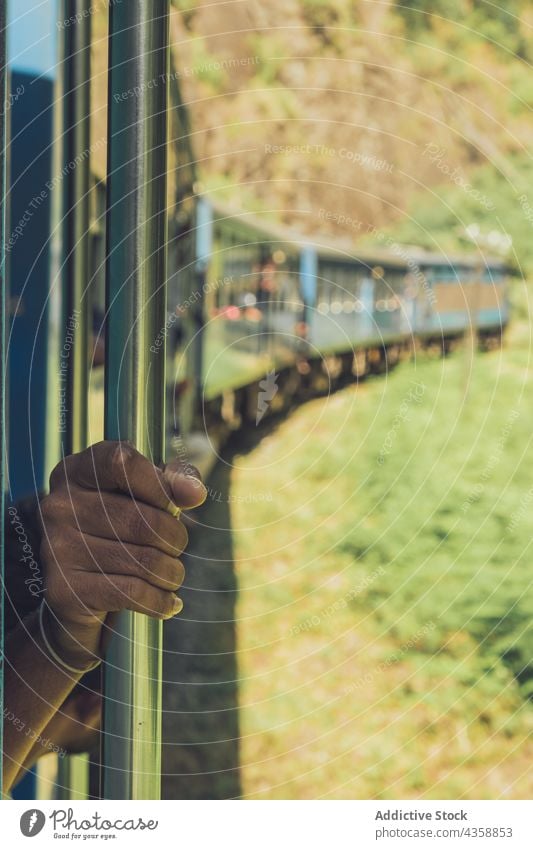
76	213
75	276
3	103
135	378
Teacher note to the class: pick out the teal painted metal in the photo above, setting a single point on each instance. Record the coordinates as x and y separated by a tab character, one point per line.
73	771
76	151
32	244
3	301
135	375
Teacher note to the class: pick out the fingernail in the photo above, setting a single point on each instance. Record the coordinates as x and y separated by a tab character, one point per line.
178	606
194	479
196	482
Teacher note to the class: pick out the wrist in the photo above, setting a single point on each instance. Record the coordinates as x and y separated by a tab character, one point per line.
72	647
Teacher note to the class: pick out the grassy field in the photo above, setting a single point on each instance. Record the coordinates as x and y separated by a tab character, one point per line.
382	550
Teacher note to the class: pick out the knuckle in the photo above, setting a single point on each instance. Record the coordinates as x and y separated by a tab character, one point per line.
48	509
122	460
129	590
160	569
61	548
147	560
58	474
112	558
55	508
137	523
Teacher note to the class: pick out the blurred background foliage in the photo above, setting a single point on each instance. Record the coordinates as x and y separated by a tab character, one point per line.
380	79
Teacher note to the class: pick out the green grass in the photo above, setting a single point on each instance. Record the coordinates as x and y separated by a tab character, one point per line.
382	541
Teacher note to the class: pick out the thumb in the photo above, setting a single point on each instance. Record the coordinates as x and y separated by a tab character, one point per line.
185	483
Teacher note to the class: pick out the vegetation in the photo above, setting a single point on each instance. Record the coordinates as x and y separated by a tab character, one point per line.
441	222
343	86
385	590
357	95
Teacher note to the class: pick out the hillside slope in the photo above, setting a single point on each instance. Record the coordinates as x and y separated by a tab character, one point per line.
385	593
373	111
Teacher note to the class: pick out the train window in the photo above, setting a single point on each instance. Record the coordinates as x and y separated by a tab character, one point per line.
349	285
396	281
337	290
359	277
445	274
328	290
493	276
291	293
322	302
336	303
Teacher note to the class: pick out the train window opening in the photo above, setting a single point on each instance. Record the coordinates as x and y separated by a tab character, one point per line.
251	280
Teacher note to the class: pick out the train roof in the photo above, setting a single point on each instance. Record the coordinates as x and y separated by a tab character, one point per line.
396	255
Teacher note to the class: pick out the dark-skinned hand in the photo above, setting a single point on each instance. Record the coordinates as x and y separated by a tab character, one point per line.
112	538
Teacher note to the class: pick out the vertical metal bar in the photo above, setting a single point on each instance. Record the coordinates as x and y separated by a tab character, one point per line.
308	281
3	300
76	200
72	781
74	356
135	379
32	256
34	185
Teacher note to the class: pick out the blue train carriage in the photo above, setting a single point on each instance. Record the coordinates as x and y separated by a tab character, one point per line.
359	310
272	303
255	301
242	316
253	304
466	293
367	310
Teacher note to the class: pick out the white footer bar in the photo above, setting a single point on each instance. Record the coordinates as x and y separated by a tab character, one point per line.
270	825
